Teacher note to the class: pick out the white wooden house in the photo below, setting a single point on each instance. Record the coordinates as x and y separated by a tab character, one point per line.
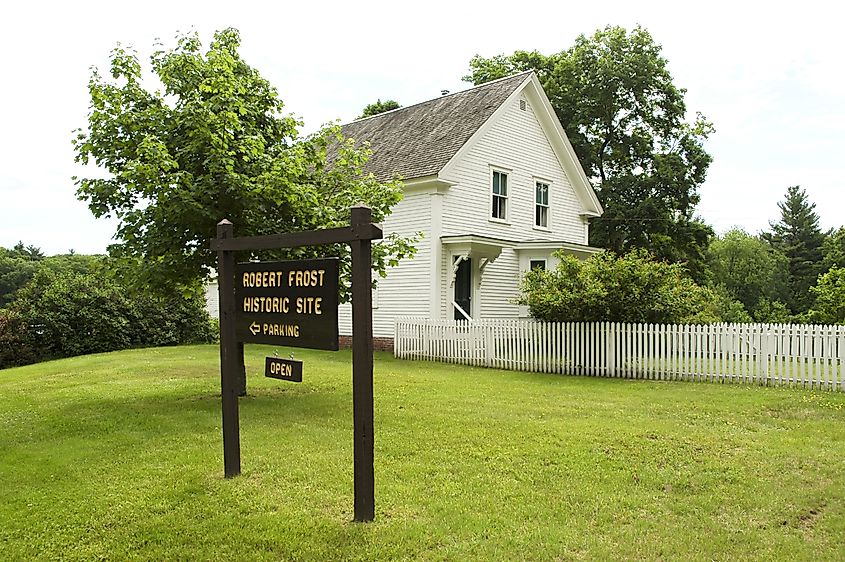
492	182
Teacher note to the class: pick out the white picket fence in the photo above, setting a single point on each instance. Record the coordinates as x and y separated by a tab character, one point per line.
774	354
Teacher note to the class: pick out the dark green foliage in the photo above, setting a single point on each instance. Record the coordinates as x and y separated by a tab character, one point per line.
213	144
71	314
606	287
774	312
15	272
379	107
797	236
15	349
751	272
19	265
31	253
829	306
626	119
833	249
66	314
727	307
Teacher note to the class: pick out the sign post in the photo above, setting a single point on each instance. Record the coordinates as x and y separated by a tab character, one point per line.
229	361
362	367
295	303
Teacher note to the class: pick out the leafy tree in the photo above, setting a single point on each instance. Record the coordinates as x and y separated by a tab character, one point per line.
728	308
487	69
833	249
748	269
213	144
20	264
606	287
15	272
379	107
797	236
829	306
775	312
626	119
17	266
72	314
76	263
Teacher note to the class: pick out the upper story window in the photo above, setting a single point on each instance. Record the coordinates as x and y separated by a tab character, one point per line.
541	205
500	196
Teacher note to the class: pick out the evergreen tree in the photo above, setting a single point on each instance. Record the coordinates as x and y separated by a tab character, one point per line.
31	253
797	235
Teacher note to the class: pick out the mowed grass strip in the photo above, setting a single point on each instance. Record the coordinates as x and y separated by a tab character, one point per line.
119	456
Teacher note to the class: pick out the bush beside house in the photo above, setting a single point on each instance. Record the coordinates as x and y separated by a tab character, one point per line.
629	288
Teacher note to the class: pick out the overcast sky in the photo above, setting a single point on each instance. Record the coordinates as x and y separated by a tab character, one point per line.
770	79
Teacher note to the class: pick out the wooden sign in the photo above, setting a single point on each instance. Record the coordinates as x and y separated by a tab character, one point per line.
265	303
291	303
283	369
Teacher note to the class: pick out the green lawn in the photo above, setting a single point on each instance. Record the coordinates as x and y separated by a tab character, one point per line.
119	456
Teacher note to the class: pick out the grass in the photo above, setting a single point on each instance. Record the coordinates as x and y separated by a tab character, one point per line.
119	457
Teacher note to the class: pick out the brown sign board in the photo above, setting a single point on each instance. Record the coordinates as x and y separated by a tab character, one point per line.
290	303
262	303
283	369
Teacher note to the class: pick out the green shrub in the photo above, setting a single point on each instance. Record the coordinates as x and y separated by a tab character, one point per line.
69	313
772	312
14	345
172	320
607	287
74	314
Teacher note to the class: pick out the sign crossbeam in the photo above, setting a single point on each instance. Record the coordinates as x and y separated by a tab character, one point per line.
236	328
346	234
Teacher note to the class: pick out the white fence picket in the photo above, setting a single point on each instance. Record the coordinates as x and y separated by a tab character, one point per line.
767	354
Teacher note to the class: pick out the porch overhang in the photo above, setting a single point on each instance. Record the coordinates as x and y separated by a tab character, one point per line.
475	246
580	251
483	249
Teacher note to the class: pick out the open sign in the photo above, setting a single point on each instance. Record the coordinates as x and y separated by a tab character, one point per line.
283	369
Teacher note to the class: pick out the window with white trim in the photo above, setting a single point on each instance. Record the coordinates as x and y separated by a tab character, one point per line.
541	204
500	196
537	264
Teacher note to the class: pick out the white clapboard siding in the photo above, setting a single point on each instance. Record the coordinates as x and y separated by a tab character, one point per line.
515	143
212	299
808	356
500	286
406	289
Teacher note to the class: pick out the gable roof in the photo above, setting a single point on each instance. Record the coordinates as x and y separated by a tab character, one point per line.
430	138
419	140
533	92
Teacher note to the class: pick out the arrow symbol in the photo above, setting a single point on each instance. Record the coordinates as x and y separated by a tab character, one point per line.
254	328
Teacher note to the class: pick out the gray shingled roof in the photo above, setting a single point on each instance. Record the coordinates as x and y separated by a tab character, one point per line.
419	140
